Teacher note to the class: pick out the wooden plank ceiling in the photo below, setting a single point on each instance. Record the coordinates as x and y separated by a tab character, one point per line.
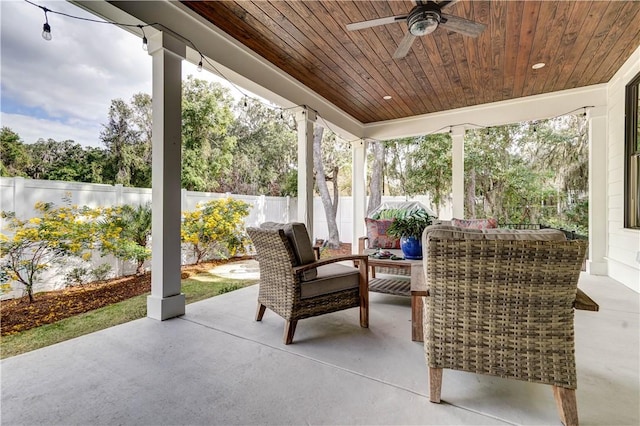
581	42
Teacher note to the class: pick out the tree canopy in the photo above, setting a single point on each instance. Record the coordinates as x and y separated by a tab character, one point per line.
523	172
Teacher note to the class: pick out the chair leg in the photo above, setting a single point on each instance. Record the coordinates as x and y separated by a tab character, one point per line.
364	315
567	406
260	311
363	286
289	330
435	384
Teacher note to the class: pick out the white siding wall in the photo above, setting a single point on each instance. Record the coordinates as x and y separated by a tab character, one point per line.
623	245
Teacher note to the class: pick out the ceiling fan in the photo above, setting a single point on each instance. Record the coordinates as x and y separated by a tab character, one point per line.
423	19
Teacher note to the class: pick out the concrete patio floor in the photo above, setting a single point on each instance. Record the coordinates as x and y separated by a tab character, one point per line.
216	365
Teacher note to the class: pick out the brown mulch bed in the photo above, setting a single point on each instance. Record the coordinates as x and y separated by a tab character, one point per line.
51	306
344	249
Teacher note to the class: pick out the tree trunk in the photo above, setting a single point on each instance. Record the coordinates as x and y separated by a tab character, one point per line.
330	207
375	182
471	194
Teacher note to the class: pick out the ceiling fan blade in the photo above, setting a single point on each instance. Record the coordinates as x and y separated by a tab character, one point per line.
461	25
446	3
375	22
404	46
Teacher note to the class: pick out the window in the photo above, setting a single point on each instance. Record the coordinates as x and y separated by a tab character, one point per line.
632	155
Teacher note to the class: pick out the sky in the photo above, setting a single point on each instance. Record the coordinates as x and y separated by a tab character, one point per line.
62	89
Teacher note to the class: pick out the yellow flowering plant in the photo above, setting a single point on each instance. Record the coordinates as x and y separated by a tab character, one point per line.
215	229
30	247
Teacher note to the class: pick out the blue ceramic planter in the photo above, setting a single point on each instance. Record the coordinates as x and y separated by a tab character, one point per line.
411	248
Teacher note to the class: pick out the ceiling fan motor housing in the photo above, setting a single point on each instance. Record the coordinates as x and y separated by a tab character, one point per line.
423	19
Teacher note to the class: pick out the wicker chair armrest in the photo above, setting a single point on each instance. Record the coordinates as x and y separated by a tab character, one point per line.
362	244
328	260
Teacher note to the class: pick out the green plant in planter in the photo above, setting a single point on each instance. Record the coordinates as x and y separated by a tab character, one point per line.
410	226
409	229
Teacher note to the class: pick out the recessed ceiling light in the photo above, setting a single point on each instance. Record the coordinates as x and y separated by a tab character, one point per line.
538	65
386	97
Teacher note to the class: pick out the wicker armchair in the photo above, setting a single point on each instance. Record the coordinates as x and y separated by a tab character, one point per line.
296	286
501	304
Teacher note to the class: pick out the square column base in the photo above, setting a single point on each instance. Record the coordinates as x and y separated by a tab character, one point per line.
165	308
597	268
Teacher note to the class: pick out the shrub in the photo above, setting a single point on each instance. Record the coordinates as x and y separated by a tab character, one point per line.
77	276
101	272
32	246
125	232
215	229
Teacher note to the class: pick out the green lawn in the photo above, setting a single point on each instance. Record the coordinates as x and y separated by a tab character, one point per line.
196	288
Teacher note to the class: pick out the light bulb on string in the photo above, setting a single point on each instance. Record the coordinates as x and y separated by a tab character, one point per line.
145	42
245	102
200	64
46	28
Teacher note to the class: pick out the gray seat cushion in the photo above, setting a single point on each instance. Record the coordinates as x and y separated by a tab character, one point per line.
300	243
331	278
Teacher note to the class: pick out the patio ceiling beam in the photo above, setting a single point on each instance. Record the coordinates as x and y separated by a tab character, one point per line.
494	114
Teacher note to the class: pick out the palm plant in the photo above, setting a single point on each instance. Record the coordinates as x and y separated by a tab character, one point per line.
136	227
125	232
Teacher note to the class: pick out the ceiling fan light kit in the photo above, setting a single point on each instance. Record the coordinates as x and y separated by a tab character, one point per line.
424	19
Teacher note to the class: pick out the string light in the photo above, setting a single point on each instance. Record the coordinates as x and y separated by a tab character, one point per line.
46	28
145	42
200	64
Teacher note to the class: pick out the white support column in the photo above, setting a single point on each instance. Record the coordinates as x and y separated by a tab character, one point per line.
305	120
166	300
358	191
457	153
597	121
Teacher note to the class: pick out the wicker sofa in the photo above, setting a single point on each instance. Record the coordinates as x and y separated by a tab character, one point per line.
500	302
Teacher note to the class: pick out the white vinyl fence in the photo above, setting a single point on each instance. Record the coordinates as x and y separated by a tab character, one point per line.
20	195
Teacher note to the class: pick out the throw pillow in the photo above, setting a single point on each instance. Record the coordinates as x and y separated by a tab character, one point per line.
488	223
377	234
